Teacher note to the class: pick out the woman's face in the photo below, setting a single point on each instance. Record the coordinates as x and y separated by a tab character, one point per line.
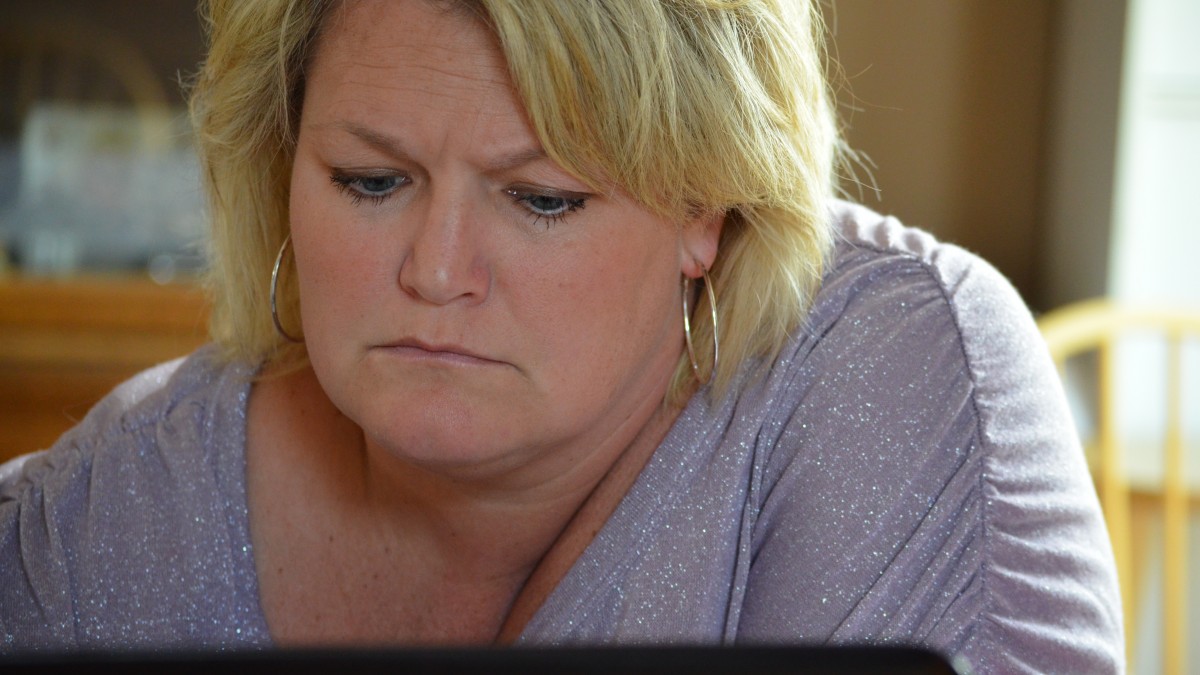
465	301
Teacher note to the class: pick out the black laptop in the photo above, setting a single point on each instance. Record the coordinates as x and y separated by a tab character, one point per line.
511	661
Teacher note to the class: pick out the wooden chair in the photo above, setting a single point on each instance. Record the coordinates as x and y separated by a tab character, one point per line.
1096	327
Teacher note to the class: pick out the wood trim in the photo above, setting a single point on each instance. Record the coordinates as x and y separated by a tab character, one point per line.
64	343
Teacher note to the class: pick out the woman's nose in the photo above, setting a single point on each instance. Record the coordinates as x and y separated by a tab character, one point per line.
445	263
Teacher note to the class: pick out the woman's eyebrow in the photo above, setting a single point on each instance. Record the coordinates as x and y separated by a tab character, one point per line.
392	146
518	159
378	140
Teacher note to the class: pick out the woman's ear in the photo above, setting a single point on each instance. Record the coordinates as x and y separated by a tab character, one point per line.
698	243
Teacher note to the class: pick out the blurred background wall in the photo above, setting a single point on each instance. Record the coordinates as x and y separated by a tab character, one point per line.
166	32
956	105
991	123
947	101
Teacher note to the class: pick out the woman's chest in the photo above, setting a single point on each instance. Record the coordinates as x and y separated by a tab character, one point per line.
355	597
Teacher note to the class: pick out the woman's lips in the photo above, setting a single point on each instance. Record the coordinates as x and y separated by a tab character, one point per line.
449	354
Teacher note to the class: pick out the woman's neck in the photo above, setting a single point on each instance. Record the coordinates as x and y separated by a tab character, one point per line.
506	534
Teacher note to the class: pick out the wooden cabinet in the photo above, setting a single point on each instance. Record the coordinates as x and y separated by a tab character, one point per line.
65	343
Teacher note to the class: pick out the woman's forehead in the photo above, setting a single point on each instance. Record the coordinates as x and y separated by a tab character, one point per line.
411	45
385	25
442	87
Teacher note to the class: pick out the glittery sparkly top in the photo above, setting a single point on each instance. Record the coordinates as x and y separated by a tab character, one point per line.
906	472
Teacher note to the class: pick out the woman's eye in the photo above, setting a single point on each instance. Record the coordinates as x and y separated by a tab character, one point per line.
548	206
365	186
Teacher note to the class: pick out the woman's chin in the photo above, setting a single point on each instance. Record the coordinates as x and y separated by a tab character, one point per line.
455	440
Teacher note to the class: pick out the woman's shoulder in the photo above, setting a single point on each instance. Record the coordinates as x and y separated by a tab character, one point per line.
876	402
926	315
873	249
920	431
913	306
119	422
152	479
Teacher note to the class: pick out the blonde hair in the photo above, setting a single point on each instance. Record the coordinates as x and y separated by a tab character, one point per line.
691	106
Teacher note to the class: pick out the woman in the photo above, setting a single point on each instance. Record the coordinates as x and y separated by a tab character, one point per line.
452	397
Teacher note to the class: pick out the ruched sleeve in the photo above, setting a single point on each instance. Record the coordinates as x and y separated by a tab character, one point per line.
927	486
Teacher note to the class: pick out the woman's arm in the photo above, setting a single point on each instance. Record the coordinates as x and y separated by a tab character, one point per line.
929	487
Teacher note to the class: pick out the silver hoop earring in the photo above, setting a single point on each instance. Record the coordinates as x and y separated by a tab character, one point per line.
274	283
687	325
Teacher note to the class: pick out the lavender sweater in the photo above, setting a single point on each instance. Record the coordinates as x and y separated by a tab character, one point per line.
906	472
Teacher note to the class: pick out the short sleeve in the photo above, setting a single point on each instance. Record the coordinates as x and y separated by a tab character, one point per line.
131	531
927	486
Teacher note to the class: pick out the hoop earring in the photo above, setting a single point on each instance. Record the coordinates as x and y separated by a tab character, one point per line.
274	282
687	326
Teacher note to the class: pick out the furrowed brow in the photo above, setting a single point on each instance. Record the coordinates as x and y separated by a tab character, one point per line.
375	139
392	146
